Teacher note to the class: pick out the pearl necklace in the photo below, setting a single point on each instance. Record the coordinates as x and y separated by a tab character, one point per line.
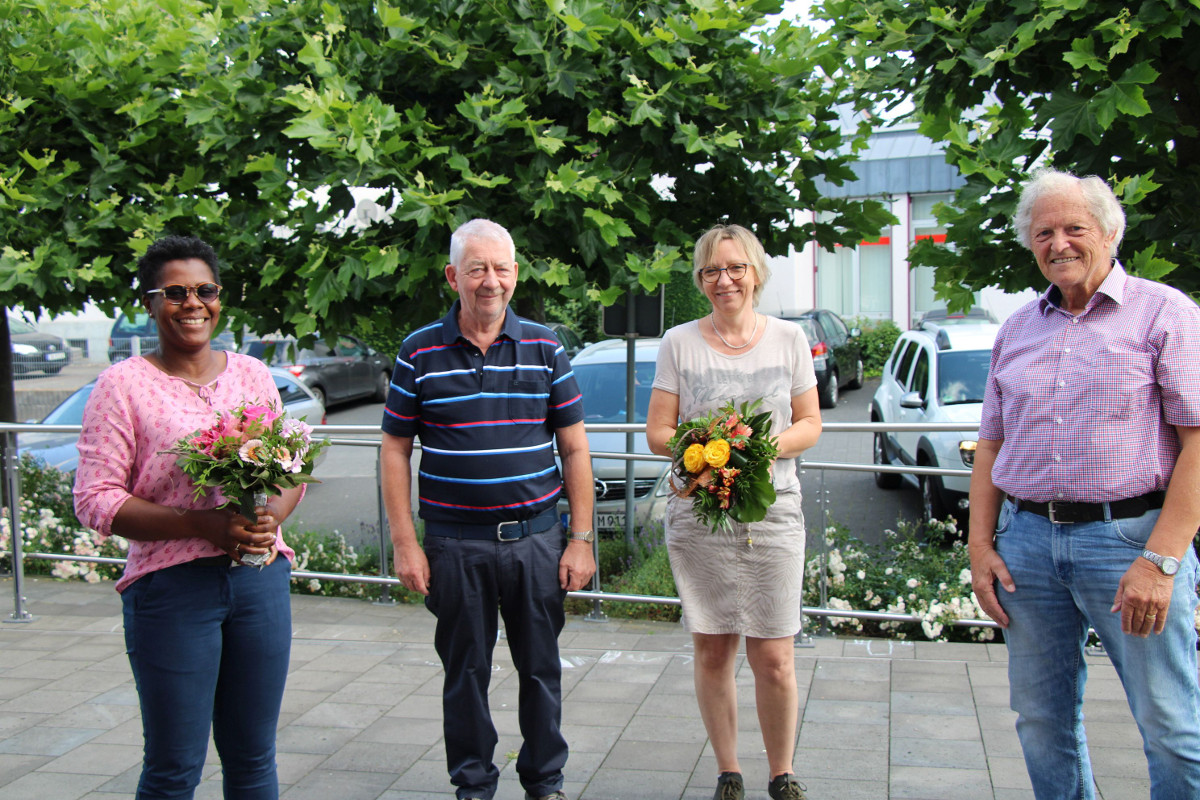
713	321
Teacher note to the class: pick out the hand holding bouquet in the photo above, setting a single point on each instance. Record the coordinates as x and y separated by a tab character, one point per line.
723	462
249	453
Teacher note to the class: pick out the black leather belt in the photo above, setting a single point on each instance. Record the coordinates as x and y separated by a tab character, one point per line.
1060	512
499	532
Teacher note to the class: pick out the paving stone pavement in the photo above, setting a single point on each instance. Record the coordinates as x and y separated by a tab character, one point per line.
362	714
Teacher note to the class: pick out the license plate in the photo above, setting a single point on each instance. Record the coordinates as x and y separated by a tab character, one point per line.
55	356
610	522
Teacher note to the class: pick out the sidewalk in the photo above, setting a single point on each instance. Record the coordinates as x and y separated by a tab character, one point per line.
362	714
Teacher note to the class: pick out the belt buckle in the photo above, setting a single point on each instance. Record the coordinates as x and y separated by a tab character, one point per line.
500	537
1052	514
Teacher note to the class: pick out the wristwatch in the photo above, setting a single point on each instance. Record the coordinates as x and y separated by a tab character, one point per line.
1167	564
587	536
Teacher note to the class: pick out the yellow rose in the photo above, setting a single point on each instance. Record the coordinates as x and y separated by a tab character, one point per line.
693	458
716	452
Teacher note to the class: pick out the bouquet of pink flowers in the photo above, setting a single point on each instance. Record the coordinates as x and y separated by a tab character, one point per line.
250	452
723	462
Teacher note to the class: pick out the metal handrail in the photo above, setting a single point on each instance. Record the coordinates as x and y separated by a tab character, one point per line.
12	431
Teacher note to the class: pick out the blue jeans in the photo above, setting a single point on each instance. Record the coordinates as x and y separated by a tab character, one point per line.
470	580
1066	577
209	646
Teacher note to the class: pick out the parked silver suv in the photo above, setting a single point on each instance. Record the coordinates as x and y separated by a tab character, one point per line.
600	370
935	374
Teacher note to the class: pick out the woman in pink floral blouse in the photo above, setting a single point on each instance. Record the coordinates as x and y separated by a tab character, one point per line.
208	639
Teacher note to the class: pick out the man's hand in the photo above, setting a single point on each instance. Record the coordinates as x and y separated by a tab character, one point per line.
987	567
412	568
1143	599
577	566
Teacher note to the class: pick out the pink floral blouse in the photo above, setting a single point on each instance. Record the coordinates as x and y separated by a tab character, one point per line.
136	411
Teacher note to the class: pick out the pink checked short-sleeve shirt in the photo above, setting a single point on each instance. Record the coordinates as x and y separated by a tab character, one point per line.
137	411
1086	405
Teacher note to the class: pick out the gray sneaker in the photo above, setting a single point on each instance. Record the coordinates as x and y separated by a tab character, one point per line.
785	787
730	787
551	796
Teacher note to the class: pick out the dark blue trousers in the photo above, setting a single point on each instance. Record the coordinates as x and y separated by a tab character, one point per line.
209	647
470	581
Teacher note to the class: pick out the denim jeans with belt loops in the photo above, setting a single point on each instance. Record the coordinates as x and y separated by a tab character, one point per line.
1066	579
209	648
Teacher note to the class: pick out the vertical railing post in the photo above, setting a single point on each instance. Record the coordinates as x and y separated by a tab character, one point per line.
597	613
14	522
385	594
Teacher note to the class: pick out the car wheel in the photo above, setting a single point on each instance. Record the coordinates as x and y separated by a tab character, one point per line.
381	386
932	504
884	480
829	397
857	382
319	393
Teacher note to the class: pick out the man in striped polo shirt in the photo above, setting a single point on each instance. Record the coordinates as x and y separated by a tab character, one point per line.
1085	494
489	394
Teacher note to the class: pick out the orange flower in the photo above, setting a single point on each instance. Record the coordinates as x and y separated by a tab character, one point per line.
693	458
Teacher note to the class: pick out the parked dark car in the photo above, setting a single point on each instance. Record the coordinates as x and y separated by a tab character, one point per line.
33	350
58	450
349	370
141	328
568	338
836	352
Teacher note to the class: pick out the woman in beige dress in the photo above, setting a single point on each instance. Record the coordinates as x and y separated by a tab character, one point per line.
747	581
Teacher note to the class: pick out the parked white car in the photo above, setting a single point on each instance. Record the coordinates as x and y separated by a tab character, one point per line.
936	373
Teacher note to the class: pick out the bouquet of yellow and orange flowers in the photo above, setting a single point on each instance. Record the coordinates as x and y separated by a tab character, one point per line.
723	462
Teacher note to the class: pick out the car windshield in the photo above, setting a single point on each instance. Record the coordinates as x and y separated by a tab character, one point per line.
283	351
16	325
962	376
603	389
71	410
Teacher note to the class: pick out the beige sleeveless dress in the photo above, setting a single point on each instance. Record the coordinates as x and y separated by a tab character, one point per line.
747	581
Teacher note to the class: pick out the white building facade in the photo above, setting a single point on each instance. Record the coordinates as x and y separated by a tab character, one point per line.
873	282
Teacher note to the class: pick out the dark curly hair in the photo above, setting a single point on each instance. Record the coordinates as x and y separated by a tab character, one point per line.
173	248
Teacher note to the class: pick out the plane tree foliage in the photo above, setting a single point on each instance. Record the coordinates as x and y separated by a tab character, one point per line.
1092	86
605	134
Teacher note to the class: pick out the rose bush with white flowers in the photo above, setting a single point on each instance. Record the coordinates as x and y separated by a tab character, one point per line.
909	573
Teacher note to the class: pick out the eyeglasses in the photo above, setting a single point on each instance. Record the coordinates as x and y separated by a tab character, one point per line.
734	271
177	293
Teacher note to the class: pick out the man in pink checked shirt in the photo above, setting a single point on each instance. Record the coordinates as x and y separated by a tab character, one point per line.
1085	495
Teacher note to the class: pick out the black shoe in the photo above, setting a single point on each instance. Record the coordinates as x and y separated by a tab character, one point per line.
785	787
730	787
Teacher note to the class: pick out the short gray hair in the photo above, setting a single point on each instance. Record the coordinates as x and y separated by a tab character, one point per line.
479	229
1101	203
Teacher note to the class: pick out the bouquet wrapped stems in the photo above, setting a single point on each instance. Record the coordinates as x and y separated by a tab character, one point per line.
247	504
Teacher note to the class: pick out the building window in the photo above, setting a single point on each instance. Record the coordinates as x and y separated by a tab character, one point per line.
856	281
925	226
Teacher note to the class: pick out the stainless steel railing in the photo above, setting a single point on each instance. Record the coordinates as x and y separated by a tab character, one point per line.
12	431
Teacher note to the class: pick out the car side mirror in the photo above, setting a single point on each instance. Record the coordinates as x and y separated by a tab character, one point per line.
855	333
912	400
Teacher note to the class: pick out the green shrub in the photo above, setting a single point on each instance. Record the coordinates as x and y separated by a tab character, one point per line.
877	340
650	577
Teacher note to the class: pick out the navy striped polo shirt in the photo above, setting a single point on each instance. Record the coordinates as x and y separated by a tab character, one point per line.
485	421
